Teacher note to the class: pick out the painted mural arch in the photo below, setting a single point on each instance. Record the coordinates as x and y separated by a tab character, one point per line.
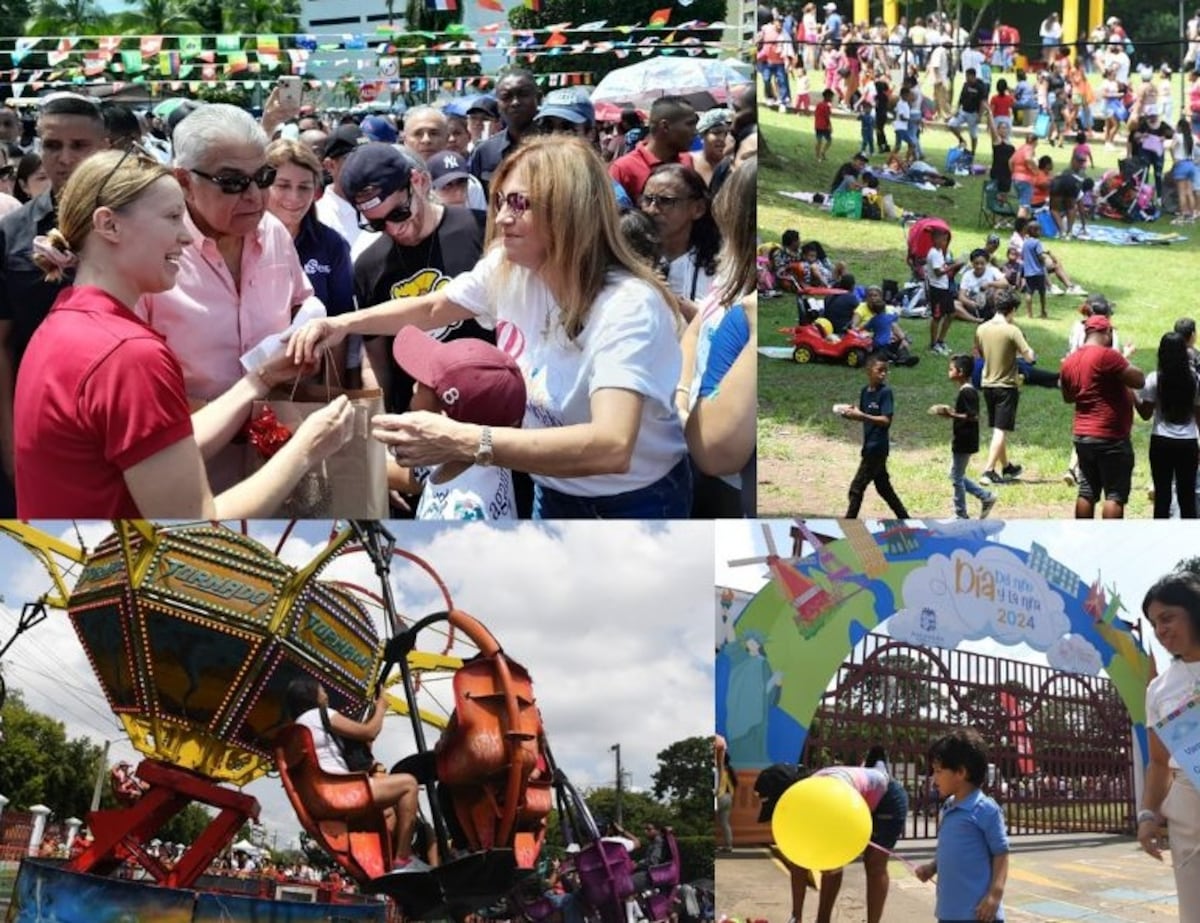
935	585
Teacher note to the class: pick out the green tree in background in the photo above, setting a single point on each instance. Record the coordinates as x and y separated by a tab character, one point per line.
157	17
684	780
68	17
13	16
39	765
259	16
185	826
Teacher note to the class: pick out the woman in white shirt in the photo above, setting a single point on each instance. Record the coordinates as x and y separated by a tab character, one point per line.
594	331
1173	607
307	704
676	198
1171	397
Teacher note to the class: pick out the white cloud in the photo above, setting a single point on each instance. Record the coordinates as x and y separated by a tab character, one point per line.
1075	654
613	621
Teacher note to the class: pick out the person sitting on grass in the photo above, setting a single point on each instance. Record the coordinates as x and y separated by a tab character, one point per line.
891	341
977	288
1053	265
849	175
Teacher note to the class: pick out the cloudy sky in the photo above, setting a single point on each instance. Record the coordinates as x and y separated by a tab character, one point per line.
1130	554
612	620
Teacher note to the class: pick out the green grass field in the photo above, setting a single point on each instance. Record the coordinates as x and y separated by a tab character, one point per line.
807	455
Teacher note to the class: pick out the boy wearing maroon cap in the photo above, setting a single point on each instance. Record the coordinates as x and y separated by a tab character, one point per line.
470	381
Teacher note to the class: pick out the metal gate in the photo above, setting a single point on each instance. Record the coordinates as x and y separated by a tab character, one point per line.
1060	753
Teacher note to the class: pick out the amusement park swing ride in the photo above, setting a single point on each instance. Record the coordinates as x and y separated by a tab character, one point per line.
194	633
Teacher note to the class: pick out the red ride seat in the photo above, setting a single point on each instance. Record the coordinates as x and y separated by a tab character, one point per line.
489	759
335	809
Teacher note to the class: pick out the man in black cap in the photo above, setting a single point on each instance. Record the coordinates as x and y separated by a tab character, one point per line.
517	97
71	129
483	118
422	245
334	207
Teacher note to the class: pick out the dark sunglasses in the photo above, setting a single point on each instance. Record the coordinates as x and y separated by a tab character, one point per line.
663	201
518	203
237	183
397	215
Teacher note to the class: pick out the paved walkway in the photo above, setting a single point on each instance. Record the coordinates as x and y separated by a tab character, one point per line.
1090	879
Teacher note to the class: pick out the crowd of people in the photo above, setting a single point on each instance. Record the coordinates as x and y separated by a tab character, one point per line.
587	290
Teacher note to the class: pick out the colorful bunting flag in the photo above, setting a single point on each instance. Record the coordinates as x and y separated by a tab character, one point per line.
268	44
443	5
306	42
131	61
535	5
660	18
228	43
150	45
592	26
109	43
190	46
556	39
236	62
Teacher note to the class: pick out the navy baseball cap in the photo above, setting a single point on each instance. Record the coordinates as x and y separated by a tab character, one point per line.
377	128
569	103
375	166
485	104
445	167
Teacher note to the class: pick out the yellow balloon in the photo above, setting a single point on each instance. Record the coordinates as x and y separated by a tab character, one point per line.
821	823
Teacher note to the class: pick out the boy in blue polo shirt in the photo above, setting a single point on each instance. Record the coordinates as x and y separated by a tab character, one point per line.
972	847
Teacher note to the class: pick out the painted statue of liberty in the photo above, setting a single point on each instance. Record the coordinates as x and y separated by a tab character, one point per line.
753	690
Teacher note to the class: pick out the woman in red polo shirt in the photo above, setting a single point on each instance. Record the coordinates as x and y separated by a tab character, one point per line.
102	427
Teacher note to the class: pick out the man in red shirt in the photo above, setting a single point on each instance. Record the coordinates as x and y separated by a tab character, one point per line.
1096	378
671	131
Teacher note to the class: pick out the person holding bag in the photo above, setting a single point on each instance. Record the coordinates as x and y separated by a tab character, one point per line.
593	331
103	428
333	735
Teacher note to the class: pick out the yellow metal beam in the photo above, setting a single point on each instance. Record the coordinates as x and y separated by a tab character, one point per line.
47	549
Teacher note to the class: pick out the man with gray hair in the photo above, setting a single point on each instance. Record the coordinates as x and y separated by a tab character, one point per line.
240	279
71	130
427	134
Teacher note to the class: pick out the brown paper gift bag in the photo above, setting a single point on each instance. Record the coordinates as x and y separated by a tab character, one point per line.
349	484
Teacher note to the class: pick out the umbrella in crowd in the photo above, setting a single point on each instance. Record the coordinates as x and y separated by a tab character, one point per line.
642	83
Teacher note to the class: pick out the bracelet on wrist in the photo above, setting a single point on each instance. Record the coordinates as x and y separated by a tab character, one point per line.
1146	815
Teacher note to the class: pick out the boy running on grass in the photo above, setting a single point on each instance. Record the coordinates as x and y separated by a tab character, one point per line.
876	404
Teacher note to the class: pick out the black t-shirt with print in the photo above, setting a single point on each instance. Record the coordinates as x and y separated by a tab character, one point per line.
384	271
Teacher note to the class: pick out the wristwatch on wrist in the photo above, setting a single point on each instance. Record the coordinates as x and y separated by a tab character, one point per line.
483	454
1145	814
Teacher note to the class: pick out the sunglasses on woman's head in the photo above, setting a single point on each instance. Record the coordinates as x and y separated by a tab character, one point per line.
518	203
237	183
397	215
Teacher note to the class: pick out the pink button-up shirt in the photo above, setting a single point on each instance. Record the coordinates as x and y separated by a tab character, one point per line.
208	324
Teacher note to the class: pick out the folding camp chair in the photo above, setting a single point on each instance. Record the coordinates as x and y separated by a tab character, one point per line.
996	209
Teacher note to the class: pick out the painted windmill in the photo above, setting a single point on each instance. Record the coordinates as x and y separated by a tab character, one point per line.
808	599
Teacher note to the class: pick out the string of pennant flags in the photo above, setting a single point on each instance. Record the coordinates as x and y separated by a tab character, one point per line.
405	85
192	60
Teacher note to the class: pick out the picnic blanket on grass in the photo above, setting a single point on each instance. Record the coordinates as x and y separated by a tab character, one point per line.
1127	236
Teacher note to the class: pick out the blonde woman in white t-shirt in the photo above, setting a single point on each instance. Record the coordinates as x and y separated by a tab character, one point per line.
1172	606
594	331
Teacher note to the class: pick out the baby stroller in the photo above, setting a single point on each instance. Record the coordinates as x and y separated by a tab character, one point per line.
914	300
1124	194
